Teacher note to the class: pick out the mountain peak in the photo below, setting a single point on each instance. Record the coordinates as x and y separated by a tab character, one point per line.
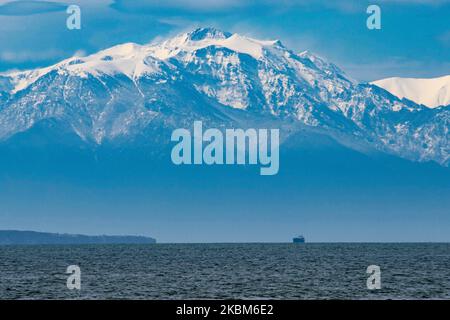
116	94
207	33
431	93
207	37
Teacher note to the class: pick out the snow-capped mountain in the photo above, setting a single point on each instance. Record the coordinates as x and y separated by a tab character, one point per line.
431	93
132	90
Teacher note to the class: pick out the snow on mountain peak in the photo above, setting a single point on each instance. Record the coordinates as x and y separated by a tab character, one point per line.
432	92
132	59
206	37
207	33
325	65
129	59
206	69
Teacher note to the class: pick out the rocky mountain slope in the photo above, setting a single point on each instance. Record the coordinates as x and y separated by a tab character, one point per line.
133	92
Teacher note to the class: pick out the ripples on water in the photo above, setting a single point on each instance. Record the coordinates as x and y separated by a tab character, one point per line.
229	271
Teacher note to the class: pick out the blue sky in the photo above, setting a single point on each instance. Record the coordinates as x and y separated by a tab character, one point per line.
414	40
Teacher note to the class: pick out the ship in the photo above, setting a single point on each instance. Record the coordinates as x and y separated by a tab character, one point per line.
299	239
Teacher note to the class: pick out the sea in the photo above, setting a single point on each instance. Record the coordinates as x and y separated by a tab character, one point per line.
226	271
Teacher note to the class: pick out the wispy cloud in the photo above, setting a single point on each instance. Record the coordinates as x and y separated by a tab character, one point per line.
199	6
423	2
25	8
202	6
445	38
30	56
158	6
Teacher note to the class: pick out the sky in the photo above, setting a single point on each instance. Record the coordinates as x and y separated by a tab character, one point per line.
373	203
414	40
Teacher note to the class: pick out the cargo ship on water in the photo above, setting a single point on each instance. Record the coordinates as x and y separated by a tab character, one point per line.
299	239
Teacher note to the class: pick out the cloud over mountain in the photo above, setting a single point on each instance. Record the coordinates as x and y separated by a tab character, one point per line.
25	8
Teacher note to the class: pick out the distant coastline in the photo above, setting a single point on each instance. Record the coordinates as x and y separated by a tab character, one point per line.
15	237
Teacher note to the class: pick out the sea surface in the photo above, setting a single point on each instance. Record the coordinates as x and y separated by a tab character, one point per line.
226	271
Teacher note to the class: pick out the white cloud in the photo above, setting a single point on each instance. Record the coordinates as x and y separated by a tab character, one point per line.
29	56
25	8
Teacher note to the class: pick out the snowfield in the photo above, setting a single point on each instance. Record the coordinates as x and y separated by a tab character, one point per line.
431	93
